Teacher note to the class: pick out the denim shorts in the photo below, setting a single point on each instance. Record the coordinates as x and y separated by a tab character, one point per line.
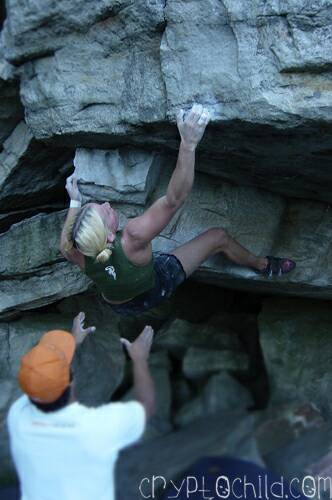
169	274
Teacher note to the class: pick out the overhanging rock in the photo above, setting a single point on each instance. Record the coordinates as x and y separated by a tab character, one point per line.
118	74
30	171
264	223
11	110
33	272
119	175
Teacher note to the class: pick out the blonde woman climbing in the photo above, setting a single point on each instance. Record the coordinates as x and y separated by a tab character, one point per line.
129	276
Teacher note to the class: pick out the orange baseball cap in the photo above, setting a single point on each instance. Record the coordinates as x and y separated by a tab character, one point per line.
45	370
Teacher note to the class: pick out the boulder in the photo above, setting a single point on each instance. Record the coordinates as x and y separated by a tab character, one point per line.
177	336
308	459
22	155
117	175
221	393
32	269
279	425
115	80
11	110
199	363
261	69
264	223
295	335
169	456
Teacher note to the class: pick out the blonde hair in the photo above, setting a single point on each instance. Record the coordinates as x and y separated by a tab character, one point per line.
89	234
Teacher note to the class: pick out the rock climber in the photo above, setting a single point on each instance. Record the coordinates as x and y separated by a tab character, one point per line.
121	263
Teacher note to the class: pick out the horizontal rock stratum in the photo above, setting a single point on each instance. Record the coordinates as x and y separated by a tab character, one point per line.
118	72
33	272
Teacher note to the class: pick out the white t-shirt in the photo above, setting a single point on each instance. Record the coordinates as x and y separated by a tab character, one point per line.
70	454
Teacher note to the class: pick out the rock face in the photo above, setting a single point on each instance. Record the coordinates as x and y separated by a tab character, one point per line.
261	68
11	110
229	434
100	84
222	393
295	337
117	175
32	270
21	156
264	223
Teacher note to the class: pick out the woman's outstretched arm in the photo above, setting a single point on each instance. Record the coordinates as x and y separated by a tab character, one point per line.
141	230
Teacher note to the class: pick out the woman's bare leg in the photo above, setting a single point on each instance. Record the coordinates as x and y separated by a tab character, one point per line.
197	250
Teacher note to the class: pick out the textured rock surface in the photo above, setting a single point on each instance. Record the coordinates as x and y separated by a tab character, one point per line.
263	70
169	456
264	223
120	52
199	363
295	338
179	334
11	111
32	270
308	456
30	171
222	393
117	175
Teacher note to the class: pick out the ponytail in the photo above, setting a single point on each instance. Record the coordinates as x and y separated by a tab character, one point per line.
104	255
90	235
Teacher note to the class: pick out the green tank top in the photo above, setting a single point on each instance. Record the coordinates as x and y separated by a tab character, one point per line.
119	279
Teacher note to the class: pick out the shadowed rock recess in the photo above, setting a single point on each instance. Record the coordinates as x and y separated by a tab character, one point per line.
241	362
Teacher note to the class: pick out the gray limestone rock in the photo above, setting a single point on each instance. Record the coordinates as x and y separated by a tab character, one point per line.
30	171
11	111
279	425
117	175
32	269
228	433
120	72
295	339
262	222
121	84
221	393
307	458
7	219
265	224
31	244
199	363
49	284
180	334
38	28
